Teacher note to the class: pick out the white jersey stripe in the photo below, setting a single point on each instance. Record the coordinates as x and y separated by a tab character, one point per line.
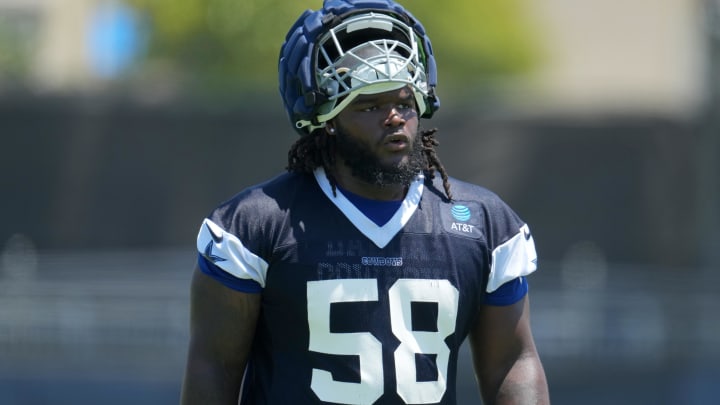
379	235
512	259
226	251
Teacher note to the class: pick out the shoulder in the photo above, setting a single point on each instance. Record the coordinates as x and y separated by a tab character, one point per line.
278	188
464	191
265	199
479	205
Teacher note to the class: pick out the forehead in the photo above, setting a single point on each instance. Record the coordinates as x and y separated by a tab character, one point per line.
403	94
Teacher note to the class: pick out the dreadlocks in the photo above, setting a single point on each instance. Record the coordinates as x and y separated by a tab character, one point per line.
429	143
318	149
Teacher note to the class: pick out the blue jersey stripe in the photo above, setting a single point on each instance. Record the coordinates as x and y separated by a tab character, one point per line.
508	293
228	280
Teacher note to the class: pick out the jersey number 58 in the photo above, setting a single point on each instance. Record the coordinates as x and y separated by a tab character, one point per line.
321	294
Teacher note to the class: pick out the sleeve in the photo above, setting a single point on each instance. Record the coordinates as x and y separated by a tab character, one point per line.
227	279
508	293
224	257
514	258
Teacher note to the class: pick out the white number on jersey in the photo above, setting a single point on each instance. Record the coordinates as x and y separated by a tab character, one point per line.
320	294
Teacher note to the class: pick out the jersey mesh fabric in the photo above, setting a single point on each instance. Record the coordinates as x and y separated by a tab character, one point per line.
342	316
381	211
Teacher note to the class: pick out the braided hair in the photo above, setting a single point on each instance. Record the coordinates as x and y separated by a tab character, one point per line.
318	150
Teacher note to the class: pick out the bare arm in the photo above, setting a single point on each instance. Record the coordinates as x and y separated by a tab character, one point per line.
222	326
506	362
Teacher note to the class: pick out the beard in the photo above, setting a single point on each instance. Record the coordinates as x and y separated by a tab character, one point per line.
366	166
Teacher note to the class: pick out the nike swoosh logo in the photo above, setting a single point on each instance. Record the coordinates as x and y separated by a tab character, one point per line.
527	233
213	235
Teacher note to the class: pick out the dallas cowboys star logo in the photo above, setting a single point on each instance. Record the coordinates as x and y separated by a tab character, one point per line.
208	253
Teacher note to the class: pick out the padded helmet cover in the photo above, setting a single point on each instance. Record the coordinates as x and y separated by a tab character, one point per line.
314	43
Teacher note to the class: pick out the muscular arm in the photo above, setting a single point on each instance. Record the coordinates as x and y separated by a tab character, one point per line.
222	326
506	362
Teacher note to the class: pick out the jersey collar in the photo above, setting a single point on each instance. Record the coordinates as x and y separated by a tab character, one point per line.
379	235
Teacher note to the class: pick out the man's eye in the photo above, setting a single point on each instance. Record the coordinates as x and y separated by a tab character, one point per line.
370	108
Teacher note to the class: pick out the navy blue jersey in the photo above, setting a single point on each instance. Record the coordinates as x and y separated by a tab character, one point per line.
353	312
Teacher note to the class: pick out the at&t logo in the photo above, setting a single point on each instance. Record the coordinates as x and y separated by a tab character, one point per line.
462	214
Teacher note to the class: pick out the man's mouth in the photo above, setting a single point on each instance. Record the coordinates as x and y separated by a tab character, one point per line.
397	142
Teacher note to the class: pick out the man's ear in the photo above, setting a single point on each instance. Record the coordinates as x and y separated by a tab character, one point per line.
330	128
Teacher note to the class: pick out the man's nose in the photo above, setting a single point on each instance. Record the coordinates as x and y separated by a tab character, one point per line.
394	118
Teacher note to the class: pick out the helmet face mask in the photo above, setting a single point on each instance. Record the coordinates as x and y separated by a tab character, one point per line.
352	47
367	54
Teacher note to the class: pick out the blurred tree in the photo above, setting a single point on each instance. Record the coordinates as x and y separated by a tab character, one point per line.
18	39
225	44
480	40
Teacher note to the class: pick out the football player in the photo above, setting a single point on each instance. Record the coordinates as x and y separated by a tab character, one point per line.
355	276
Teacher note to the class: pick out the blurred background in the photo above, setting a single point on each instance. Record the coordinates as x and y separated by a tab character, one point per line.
122	123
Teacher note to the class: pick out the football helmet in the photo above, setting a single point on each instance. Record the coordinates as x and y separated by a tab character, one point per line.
352	47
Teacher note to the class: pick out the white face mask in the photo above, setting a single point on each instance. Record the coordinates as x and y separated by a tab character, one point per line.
373	66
